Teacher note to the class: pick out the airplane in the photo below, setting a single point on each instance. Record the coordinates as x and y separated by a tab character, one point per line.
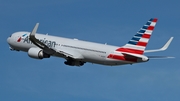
78	52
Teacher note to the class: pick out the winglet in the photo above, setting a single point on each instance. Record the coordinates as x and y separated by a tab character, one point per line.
34	30
33	38
163	48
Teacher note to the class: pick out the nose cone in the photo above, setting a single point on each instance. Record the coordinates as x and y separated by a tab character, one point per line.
9	40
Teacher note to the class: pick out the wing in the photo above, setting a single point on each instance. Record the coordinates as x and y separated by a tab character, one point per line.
53	51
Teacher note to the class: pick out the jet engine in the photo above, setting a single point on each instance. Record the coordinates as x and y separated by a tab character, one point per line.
37	53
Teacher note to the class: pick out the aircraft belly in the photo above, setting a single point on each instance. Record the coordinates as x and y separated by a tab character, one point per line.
107	62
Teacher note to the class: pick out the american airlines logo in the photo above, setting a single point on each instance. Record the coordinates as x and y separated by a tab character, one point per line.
19	40
27	40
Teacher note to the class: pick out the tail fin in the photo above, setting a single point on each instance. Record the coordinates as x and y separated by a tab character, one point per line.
139	41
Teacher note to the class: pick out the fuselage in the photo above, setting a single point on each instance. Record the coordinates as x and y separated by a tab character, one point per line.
92	52
77	52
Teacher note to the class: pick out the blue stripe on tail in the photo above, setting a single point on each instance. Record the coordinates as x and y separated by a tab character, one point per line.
132	42
140	33
136	39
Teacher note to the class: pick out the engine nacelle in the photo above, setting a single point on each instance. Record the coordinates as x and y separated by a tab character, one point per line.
37	53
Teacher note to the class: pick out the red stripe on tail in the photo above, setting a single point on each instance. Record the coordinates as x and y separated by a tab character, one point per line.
150	28
141	43
155	20
146	36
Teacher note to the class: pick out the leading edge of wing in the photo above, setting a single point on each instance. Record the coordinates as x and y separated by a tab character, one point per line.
64	53
161	49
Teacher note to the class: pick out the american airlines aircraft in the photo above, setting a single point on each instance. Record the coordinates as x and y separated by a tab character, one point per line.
77	52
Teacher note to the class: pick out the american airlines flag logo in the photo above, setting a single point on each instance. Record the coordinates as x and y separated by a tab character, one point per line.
19	40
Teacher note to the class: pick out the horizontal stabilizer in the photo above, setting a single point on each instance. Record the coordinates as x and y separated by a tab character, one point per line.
159	57
163	48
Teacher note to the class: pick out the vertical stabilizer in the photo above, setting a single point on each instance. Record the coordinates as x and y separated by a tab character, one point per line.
139	41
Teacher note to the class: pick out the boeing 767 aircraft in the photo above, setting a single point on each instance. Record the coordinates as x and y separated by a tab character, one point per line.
77	52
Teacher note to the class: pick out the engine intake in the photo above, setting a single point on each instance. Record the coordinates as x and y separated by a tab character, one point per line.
37	53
